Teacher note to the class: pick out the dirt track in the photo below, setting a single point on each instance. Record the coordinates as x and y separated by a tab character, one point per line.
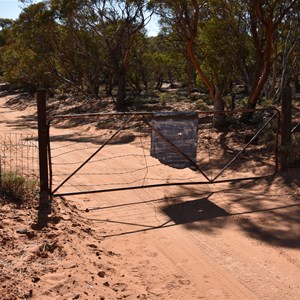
237	241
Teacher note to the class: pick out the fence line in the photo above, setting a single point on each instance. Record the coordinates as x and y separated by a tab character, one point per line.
18	155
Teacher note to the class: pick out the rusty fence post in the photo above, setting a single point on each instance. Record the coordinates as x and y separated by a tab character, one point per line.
44	200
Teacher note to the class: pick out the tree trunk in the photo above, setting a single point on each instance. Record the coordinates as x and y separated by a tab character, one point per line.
264	62
286	127
109	86
159	82
258	85
271	93
189	72
194	61
121	93
246	116
219	116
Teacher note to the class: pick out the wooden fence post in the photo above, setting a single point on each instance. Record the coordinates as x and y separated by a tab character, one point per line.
44	201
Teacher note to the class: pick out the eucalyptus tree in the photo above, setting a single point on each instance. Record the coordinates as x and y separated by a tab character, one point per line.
289	52
115	25
119	23
209	44
264	20
183	18
219	53
142	71
5	35
78	59
5	26
164	60
25	57
240	33
33	56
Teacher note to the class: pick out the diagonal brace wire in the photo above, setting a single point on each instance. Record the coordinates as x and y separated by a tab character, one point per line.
246	146
95	153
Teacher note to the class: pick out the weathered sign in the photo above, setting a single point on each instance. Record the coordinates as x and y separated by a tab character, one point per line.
175	138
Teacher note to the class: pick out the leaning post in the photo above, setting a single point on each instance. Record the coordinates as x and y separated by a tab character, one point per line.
44	200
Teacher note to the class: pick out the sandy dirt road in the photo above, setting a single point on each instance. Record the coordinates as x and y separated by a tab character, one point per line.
231	241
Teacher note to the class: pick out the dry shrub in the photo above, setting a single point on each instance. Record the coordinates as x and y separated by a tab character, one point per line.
17	189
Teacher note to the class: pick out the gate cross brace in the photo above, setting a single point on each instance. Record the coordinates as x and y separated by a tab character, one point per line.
95	153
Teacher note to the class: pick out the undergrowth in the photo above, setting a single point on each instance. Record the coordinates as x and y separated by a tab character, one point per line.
18	189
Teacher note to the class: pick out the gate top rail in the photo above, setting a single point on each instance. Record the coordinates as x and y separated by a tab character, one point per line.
88	115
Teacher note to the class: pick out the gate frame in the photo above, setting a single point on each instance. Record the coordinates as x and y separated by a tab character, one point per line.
52	193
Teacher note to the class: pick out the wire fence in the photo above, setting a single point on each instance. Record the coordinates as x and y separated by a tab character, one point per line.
18	155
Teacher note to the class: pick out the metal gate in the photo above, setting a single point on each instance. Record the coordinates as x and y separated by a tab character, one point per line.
112	152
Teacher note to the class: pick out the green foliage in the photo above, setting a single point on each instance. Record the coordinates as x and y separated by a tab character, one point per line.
164	98
24	67
16	188
218	51
201	105
264	101
25	56
5	25
92	44
159	61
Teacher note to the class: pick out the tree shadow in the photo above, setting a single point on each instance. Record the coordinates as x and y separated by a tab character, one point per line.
98	140
275	222
197	215
278	225
192	211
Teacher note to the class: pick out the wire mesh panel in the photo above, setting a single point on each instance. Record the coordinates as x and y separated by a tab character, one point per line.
113	152
18	155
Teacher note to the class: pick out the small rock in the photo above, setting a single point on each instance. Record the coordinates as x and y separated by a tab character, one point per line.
22	231
76	296
35	279
101	274
106	284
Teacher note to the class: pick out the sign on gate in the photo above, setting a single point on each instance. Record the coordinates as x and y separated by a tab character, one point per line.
175	134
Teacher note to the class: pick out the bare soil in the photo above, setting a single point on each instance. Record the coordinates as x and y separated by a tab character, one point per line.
230	241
